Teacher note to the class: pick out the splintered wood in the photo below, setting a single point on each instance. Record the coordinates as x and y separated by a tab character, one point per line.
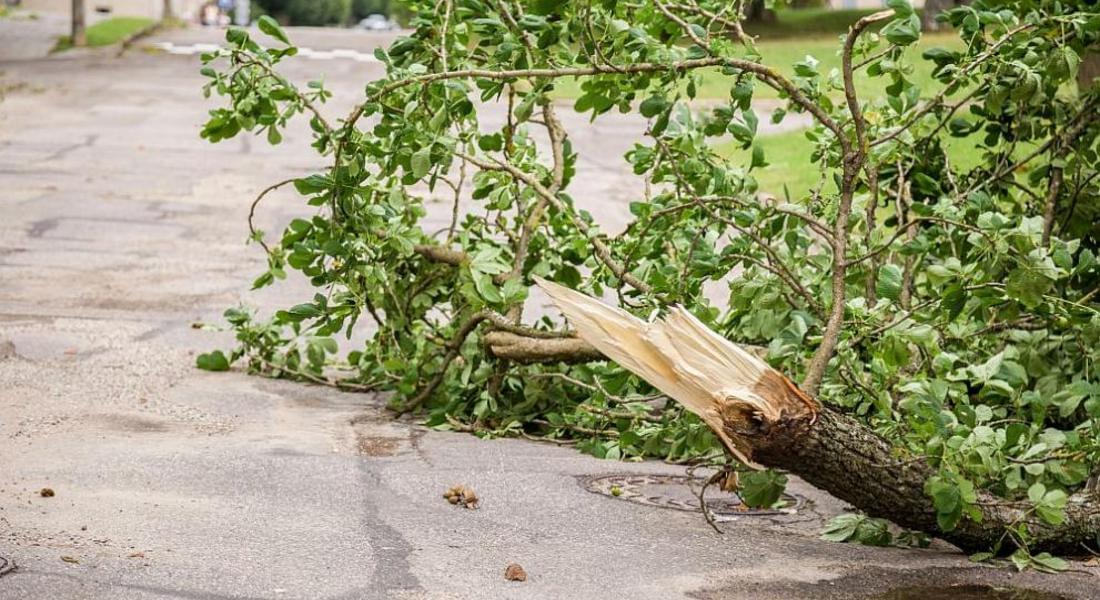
735	393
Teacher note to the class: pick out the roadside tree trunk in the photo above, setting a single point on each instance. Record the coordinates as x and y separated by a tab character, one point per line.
932	9
757	12
763	418
78	37
1089	69
168	12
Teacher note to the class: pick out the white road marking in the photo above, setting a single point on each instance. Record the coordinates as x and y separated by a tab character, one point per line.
339	53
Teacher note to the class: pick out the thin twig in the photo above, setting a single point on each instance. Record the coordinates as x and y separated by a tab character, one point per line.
252	212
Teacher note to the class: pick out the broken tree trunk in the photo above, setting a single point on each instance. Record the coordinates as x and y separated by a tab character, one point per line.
761	417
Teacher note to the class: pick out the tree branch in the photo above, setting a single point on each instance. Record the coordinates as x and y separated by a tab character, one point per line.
603	252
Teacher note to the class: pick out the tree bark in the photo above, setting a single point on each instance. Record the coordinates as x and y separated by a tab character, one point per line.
762	417
843	457
78	37
757	12
167	12
932	9
1089	69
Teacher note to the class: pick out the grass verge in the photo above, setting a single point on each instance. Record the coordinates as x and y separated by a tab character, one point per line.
788	157
107	32
797	34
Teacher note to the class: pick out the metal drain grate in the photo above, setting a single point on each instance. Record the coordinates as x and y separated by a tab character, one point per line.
678	492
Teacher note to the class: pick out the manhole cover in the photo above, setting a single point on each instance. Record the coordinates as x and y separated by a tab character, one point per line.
6	566
679	492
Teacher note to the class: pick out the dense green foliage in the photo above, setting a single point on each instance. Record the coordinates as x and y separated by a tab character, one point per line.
950	304
308	12
360	9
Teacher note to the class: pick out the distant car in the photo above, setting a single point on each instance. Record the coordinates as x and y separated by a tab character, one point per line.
377	22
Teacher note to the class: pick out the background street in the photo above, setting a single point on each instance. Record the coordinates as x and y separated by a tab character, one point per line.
121	228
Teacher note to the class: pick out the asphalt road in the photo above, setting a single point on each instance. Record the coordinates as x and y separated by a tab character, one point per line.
121	228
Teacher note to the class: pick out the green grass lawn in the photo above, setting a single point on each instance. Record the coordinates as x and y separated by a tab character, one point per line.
813	32
108	32
784	53
788	156
802	22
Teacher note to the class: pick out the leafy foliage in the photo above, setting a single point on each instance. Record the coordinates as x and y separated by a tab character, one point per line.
362	8
308	12
952	309
761	489
861	529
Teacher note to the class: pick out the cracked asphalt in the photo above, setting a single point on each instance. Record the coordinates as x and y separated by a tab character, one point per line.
121	228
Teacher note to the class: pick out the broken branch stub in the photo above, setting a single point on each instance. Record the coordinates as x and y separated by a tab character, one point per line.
759	414
737	395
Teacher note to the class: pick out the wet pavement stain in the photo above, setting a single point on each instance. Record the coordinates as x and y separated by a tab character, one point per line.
966	592
877	583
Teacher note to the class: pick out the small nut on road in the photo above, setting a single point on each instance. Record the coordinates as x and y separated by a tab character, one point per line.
515	572
461	494
46	492
70	559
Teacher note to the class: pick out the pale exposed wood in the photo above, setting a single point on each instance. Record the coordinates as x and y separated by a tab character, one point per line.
527	350
732	390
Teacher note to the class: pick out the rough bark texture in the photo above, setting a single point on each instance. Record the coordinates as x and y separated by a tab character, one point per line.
758	12
844	458
1089	69
763	418
932	8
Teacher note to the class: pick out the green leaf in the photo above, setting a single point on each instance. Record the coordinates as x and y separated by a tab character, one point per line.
485	287
652	106
841	528
954	300
1036	492
313	184
889	282
902	8
488	260
491	143
758	157
1021	559
271	27
903	32
874	532
1027	286
421	162
236	35
947	500
212	361
304	311
861	529
1052	516
1045	562
762	489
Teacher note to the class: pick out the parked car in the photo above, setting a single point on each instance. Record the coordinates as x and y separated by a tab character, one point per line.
377	22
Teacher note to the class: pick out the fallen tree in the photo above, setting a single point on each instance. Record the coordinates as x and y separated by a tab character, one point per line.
933	287
762	416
